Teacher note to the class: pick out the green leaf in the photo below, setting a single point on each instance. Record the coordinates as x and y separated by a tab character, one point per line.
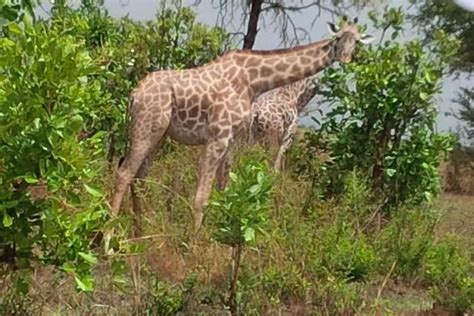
428	196
67	267
428	77
7	220
84	284
390	172
254	188
14	28
88	257
423	95
30	179
249	234
92	191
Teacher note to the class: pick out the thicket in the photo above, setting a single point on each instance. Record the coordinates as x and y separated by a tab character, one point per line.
64	85
63	97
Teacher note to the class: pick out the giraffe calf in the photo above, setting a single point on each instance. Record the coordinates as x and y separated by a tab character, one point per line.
276	115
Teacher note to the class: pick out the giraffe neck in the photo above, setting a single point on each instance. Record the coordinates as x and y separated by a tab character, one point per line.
277	68
306	93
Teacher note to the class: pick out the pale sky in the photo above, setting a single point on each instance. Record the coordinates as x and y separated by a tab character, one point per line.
268	37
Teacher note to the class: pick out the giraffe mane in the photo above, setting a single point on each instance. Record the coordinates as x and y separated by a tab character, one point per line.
281	51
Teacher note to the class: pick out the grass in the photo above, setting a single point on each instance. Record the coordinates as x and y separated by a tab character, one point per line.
288	272
457	218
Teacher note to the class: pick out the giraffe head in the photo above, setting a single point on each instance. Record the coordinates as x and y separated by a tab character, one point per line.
346	38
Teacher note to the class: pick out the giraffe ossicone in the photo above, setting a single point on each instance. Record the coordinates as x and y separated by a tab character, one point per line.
211	105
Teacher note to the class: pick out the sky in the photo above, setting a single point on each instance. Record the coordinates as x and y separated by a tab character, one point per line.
269	38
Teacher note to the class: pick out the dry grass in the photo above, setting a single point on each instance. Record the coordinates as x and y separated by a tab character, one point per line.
458	172
457	218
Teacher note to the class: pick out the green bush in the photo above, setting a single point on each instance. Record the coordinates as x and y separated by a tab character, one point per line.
163	299
64	85
48	198
382	115
240	211
405	240
450	274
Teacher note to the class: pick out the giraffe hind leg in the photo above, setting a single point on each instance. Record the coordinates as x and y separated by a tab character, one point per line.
142	143
287	140
138	187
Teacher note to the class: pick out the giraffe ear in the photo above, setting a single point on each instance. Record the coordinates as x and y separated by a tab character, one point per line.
332	28
366	39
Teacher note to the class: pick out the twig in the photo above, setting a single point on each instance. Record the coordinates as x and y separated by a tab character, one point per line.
379	292
146	237
130	254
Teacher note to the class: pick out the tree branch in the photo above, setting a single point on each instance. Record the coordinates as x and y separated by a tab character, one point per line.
252	30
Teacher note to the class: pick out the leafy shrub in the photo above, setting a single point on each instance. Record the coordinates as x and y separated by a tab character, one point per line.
48	201
405	240
344	255
164	299
239	211
64	85
450	273
282	283
382	117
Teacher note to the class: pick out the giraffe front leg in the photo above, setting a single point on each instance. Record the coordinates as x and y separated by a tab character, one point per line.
287	140
213	155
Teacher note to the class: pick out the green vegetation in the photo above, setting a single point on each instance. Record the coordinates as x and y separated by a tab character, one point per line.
63	94
358	232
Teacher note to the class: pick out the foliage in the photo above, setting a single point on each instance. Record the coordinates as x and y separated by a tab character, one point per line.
14	11
164	299
450	272
405	240
63	89
346	251
452	19
382	117
465	100
48	200
240	210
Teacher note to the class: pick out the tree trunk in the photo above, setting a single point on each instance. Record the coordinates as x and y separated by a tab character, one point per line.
255	10
236	252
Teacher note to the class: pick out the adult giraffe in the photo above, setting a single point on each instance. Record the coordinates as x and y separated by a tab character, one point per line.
211	105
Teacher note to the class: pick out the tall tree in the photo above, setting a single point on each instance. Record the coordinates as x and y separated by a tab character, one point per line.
465	100
453	19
